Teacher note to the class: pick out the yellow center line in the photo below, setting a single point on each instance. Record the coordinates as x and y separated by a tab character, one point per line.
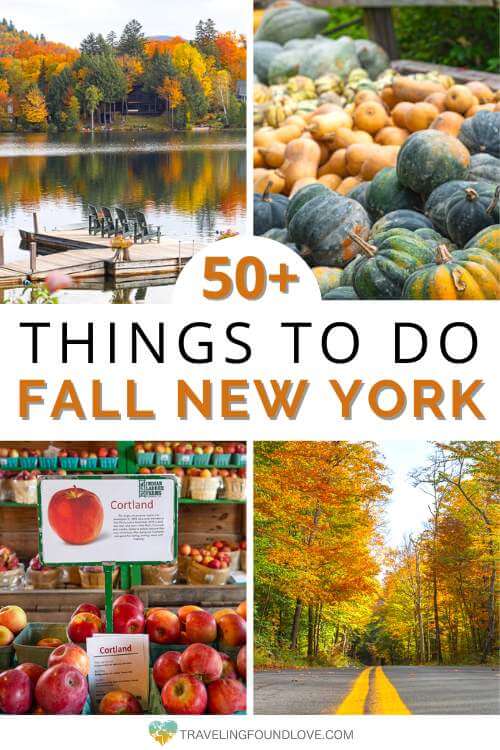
386	699
354	702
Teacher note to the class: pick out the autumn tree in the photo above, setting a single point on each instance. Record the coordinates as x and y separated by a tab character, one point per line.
171	91
34	109
92	97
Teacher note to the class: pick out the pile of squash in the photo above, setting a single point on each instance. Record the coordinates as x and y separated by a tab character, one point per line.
369	175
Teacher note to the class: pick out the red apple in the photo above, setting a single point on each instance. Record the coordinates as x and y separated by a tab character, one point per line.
113	452
241	610
70	653
102	452
76	515
163	626
119	702
228	669
185	549
6	636
184	611
226	696
166	666
13	617
232	630
130	599
84	625
221	612
32	670
201	627
49	642
202	661
127	619
85	607
184	694
61	689
241	662
16	692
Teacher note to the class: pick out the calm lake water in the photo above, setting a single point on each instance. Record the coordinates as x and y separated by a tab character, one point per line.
192	184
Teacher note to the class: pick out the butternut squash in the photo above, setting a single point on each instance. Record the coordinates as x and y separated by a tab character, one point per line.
258	159
265	136
336	164
268	178
301	160
399	113
348	184
297	120
386	156
366	95
323	109
388	97
274	154
357	154
324	126
478	107
459	99
480	90
302	183
330	180
437	99
391	136
370	116
410	90
345	137
448	122
420	116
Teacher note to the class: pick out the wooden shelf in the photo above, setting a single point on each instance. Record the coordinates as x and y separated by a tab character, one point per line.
219	501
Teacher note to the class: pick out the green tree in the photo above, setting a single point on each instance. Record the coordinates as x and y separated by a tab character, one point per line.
43	78
93	97
206	34
132	40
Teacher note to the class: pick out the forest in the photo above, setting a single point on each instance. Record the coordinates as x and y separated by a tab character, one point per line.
328	590
49	86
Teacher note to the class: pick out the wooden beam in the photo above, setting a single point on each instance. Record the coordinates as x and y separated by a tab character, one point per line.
388	3
378	22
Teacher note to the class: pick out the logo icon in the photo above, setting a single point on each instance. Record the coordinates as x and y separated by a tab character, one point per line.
162	731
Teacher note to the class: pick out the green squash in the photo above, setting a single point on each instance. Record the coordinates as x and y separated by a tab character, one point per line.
402	219
341	293
291	20
269	211
468	210
388	262
281	235
327	278
359	192
435	204
487	239
349	271
372	57
330	56
428	158
301	44
284	65
263	54
434	239
484	167
387	194
451	278
302	196
481	133
483	257
325	225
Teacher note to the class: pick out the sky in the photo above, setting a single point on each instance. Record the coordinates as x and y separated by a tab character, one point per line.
69	22
408	507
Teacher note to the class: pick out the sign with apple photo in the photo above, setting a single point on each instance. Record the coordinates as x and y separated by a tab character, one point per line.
86	520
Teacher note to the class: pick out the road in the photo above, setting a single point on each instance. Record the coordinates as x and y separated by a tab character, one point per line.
379	690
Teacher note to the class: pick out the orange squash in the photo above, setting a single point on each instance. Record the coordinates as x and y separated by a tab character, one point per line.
388	97
331	181
478	107
448	122
386	156
265	136
268	179
258	159
437	99
459	99
323	109
348	184
302	183
370	116
324	126
399	113
366	95
301	160
297	120
391	136
480	90
357	154
274	154
345	137
420	116
336	164
410	90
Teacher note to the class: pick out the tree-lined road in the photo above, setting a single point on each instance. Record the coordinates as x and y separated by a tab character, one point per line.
377	690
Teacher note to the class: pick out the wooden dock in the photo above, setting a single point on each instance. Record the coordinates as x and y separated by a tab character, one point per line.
78	254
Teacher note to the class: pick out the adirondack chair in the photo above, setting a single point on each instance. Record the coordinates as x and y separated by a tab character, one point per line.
146	231
124	225
108	222
94	220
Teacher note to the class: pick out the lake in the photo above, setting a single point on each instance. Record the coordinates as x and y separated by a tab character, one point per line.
192	184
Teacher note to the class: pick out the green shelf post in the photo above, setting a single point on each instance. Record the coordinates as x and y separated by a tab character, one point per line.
108	594
135	575
125	576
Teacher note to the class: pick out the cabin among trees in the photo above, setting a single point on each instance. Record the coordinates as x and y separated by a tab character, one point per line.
50	86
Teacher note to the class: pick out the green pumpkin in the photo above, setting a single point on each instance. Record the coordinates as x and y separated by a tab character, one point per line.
428	158
302	196
386	194
263	54
291	21
327	278
341	293
372	57
483	257
359	192
435	204
349	271
388	262
451	278
325	224
481	133
484	167
434	239
468	210
402	219
269	211
487	239
330	56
